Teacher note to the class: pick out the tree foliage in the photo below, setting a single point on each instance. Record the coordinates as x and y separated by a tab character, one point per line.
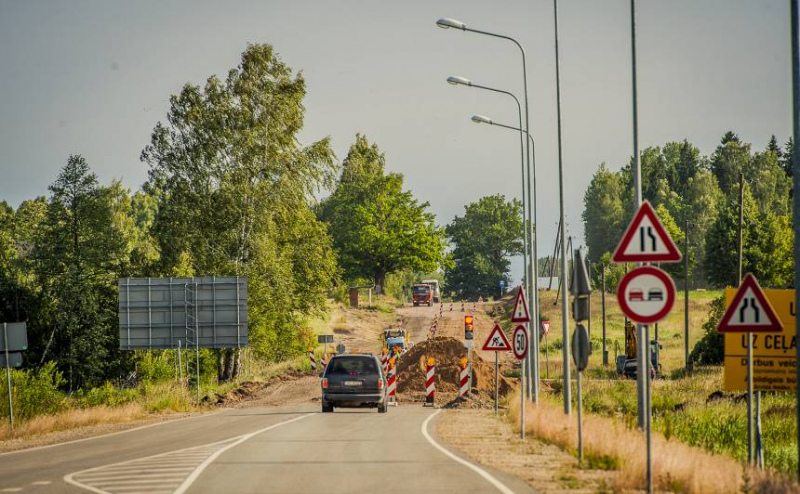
377	227
490	231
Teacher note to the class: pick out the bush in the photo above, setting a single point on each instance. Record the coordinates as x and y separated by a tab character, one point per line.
35	392
710	350
106	394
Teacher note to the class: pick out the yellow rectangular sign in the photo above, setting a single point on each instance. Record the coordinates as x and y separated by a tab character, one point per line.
774	354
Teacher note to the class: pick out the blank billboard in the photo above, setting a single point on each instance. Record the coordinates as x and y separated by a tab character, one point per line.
153	312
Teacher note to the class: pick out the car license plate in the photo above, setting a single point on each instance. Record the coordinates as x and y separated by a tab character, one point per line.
352	383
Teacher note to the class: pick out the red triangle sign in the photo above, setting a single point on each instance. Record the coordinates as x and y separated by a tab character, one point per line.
497	341
646	240
750	311
520	312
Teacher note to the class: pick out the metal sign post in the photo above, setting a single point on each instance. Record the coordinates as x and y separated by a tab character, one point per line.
520	342
496	342
8	376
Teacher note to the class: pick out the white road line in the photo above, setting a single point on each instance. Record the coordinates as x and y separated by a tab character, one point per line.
42	482
475	468
74	441
173	471
189	481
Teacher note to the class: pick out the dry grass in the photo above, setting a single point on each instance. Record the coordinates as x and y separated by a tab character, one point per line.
676	466
75	418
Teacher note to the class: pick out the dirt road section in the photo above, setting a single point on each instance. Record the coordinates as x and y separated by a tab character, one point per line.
490	441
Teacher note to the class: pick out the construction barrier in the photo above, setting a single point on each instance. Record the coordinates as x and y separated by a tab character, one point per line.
462	306
312	359
392	387
465	371
451	306
430	384
385	361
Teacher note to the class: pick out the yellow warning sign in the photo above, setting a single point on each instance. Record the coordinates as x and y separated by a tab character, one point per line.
774	354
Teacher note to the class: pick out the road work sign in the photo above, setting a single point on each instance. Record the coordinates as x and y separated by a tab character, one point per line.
646	294
497	341
520	312
750	311
774	354
646	240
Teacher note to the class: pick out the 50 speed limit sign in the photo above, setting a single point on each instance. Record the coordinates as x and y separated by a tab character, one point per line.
520	342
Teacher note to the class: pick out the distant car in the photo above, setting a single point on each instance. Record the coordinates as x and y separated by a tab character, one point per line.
636	295
655	294
351	381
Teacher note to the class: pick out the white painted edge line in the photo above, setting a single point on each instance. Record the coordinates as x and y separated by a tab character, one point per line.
92	438
197	471
190	480
475	468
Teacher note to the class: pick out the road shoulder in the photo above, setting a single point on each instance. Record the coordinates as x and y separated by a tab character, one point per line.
490	441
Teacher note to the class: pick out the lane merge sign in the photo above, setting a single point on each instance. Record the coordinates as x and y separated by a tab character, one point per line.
750	311
520	339
520	312
497	341
646	240
646	294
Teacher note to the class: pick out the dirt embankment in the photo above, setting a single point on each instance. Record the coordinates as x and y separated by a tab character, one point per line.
447	353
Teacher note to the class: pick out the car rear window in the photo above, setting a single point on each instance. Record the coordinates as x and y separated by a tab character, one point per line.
353	365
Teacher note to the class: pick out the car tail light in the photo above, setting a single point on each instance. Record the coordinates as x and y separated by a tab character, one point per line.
324	382
380	383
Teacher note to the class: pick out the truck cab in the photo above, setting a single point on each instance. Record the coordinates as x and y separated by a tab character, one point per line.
434	284
422	295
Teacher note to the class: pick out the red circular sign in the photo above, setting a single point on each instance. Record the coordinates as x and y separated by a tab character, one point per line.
646	294
519	341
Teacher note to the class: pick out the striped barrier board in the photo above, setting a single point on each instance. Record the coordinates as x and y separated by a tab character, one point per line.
312	360
464	389
430	384
392	378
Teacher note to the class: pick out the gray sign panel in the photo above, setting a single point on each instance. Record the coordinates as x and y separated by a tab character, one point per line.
15	358
325	338
17	337
159	312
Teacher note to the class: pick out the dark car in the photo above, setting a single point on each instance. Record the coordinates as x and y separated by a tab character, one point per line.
655	294
353	381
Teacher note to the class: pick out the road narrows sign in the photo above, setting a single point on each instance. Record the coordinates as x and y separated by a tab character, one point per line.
750	311
520	312
646	294
520	339
646	240
497	341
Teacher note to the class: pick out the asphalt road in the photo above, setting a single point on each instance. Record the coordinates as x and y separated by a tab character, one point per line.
277	449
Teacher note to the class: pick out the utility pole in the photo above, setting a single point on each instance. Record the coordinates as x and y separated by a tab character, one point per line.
567	390
796	184
686	299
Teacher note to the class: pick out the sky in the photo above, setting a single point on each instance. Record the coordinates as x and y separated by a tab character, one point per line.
94	77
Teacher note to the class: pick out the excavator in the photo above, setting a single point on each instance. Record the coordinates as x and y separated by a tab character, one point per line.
626	364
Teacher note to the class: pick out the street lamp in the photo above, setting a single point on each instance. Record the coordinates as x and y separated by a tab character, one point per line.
531	361
533	286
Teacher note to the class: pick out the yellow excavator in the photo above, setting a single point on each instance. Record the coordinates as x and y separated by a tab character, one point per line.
626	364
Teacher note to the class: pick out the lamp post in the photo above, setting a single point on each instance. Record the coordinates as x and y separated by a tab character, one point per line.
462	81
533	278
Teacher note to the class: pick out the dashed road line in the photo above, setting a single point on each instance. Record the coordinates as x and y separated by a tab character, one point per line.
171	472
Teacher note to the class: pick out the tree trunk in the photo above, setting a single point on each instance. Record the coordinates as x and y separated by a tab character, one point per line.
380	282
237	363
228	364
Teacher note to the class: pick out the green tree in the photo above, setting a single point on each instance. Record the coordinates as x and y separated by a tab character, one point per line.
604	214
234	191
730	159
377	227
490	231
78	256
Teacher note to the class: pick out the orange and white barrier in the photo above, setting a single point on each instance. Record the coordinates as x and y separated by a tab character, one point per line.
462	306
312	360
465	372
451	306
430	382
392	378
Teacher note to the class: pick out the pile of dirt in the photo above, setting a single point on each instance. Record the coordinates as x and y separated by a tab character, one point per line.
253	390
447	352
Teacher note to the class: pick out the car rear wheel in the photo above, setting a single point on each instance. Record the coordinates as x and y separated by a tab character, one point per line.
382	408
327	408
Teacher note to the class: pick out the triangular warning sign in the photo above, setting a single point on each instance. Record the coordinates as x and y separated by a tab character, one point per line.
520	312
750	311
497	341
646	240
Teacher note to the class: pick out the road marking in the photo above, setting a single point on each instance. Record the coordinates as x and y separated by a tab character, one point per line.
475	468
42	482
174	471
147	426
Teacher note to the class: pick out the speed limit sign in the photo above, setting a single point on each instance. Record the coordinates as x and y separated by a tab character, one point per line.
520	339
